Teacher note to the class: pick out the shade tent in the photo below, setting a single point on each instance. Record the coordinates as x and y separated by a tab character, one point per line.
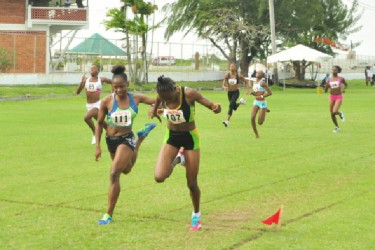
298	53
97	45
257	66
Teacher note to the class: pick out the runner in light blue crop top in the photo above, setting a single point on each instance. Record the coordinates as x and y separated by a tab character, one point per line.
258	85
122	117
260	90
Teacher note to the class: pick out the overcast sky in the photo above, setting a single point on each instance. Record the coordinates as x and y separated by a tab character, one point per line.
98	9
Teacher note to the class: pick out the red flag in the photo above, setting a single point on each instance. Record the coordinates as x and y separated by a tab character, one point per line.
273	219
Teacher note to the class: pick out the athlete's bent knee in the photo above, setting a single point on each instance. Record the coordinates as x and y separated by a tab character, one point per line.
114	176
193	186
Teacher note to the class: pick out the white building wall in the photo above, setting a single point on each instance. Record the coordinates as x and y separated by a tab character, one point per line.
75	78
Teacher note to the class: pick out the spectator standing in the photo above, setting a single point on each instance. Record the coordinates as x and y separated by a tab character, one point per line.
367	75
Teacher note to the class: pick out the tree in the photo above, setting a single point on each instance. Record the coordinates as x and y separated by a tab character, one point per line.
309	21
5	62
234	27
136	26
240	28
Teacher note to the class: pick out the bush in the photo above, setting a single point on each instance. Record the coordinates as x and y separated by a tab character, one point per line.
5	62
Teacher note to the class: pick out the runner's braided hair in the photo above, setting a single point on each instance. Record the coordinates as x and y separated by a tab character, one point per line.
165	84
119	71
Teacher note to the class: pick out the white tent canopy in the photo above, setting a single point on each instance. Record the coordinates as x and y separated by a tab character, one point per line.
298	53
257	66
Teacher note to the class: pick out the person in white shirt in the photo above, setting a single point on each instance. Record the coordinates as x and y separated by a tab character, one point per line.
93	87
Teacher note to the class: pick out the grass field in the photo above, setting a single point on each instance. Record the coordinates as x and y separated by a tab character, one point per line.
53	192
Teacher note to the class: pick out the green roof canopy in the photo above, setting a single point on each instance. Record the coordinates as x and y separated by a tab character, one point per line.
97	45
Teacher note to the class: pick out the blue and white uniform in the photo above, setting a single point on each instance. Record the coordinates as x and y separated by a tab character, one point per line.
257	87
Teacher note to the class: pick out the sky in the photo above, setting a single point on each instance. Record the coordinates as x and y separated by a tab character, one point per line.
98	9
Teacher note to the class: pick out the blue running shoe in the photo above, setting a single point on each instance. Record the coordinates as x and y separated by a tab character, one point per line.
105	220
195	223
143	133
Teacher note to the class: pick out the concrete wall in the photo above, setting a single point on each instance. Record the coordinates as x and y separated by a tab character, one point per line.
75	78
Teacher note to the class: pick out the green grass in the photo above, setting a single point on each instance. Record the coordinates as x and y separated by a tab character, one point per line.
53	192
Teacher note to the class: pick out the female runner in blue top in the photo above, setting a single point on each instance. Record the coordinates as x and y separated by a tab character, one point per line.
120	108
260	90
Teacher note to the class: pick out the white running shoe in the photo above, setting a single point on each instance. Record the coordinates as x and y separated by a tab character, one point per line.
225	123
93	140
180	157
242	101
342	117
336	129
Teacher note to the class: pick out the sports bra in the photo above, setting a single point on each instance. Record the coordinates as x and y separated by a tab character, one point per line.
335	84
183	113
118	117
257	85
93	86
233	81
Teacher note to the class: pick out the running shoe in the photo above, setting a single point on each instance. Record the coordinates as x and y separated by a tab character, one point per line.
225	123
105	220
336	129
180	158
195	223
342	117
93	140
143	133
242	101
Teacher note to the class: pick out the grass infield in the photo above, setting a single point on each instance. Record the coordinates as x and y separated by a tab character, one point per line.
53	192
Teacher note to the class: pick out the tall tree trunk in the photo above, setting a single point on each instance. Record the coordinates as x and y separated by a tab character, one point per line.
297	70
303	67
245	60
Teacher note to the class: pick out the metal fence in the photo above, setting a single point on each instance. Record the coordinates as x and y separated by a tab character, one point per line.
184	55
12	56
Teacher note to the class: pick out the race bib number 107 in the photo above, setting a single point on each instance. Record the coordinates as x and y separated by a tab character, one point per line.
174	116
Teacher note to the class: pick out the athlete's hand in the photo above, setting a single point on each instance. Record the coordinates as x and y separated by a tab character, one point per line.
151	111
157	116
216	108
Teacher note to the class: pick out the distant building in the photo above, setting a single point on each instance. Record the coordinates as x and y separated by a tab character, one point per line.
26	27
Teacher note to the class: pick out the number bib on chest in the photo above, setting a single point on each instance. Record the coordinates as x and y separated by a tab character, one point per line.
334	84
174	116
92	87
122	118
232	81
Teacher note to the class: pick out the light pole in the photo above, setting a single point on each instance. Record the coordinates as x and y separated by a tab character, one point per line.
273	37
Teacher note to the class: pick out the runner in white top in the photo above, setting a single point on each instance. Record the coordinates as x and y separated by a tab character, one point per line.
93	87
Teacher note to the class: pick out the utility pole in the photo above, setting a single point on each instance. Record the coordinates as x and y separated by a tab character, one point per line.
273	37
